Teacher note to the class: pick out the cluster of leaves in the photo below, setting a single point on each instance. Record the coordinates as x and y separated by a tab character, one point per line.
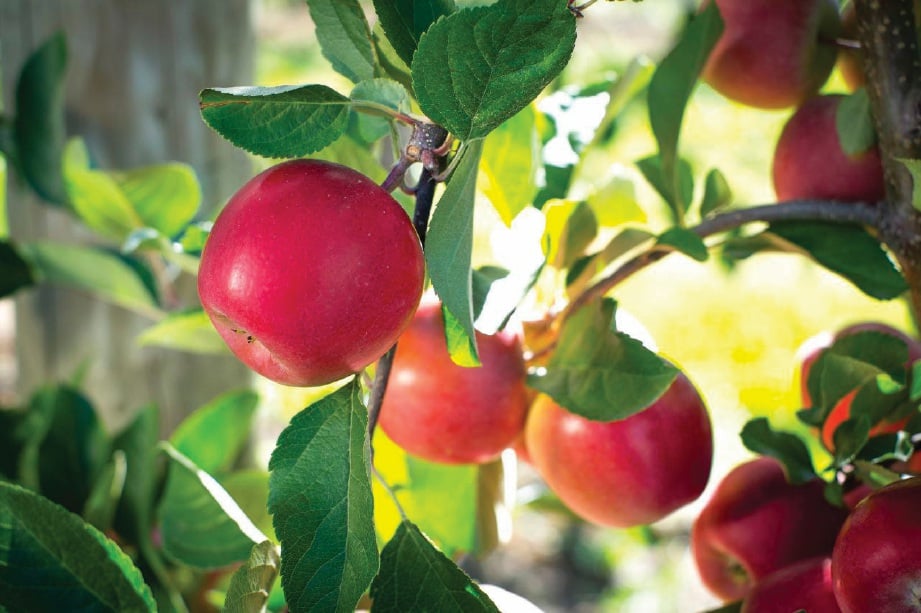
125	522
888	389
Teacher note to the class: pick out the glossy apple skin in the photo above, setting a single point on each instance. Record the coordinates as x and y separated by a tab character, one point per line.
769	55
809	162
628	472
311	272
804	585
757	523
875	564
446	413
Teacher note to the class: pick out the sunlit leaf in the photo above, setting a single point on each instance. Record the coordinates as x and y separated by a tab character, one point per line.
854	123
509	164
165	196
200	524
190	331
214	435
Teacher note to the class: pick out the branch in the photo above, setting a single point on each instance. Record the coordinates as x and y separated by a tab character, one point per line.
888	37
425	194
794	210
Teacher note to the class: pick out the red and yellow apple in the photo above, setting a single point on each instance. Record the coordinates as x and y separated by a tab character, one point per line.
850	59
452	414
773	53
804	585
810	163
875	563
757	523
311	272
627	472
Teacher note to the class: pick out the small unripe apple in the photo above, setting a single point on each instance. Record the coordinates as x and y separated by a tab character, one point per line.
810	163
773	53
627	472
311	272
805	585
452	414
757	523
875	564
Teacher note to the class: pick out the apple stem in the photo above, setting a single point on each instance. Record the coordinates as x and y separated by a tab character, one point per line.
425	195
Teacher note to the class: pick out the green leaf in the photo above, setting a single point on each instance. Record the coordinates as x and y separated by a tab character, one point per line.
191	331
276	122
103	499
476	68
66	447
250	586
849	437
601	374
93	270
758	436
669	92
214	435
12	440
615	204
570	229
854	123
717	193
250	488
139	444
914	168
424	490
686	241
38	128
201	525
449	248
849	251
15	272
461	345
370	124
413	572
51	560
344	37
651	167
508	167
321	504
165	196
390	62
96	197
404	21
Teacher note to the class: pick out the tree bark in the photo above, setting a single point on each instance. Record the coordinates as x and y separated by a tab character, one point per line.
134	72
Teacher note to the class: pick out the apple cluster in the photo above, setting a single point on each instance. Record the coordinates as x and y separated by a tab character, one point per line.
777	546
777	54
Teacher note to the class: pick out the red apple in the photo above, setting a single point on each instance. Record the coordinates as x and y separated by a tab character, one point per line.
809	162
875	564
627	472
773	53
804	585
311	272
757	523
447	413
